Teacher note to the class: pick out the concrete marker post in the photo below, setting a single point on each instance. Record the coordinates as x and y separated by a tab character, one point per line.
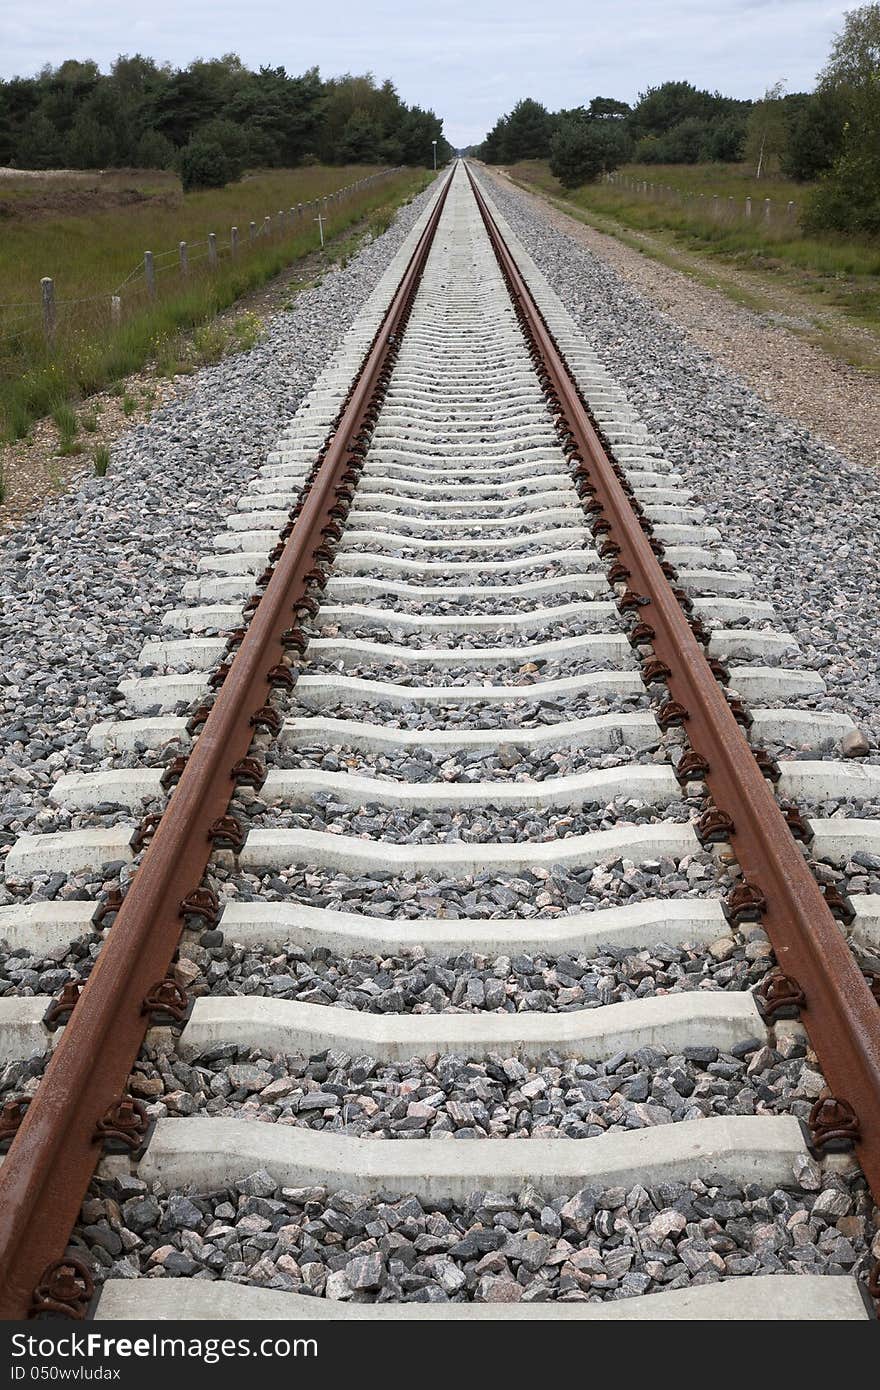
50	313
150	274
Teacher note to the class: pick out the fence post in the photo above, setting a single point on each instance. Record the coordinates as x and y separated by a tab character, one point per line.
252	232
115	310
267	225
716	205
184	259
50	319
790	209
150	274
748	207
212	250
233	241
281	221
766	209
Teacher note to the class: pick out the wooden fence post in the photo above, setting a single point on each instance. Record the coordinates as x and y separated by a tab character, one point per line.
150	274
184	259
748	207
281	221
267	225
766	209
212	250
233	241
50	317
252	232
115	310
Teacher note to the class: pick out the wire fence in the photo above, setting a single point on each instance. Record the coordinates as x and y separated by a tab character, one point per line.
159	272
766	212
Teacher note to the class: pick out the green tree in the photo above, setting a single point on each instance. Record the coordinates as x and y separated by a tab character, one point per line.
40	145
685	142
153	151
527	132
89	145
855	53
661	108
279	112
359	140
725	140
608	109
767	131
848	198
492	147
204	163
815	138
578	153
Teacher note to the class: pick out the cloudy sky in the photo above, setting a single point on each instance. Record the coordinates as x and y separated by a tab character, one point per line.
468	59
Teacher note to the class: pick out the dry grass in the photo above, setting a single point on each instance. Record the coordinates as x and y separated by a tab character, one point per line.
91	252
843	272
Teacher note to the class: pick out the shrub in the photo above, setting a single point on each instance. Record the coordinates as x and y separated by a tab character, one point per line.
578	154
205	163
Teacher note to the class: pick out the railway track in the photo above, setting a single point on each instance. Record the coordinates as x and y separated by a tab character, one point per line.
461	891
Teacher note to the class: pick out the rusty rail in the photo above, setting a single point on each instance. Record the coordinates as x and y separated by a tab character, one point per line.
817	976
82	1096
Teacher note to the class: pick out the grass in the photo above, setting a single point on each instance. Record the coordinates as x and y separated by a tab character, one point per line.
101	460
839	273
90	253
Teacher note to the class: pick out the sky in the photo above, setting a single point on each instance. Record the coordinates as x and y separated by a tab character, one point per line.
469	60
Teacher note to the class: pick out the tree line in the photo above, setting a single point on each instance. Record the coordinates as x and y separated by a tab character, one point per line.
210	120
831	134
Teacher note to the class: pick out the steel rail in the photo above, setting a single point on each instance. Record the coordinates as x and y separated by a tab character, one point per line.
819	976
58	1144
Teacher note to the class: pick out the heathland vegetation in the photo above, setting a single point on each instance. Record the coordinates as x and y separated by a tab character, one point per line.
170	149
90	234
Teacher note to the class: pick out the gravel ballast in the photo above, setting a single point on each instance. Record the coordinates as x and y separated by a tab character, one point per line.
496	1248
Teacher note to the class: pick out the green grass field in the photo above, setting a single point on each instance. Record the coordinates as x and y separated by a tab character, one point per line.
90	236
